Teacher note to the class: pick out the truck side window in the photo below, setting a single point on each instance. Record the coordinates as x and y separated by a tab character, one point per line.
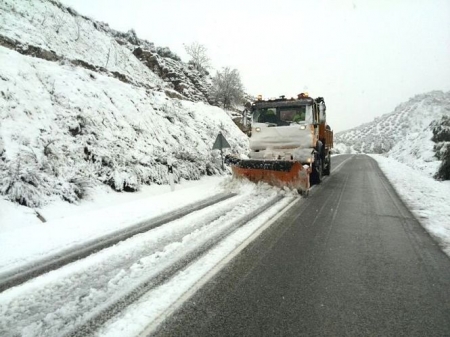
299	116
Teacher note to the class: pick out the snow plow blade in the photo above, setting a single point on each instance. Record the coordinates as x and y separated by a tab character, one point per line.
280	173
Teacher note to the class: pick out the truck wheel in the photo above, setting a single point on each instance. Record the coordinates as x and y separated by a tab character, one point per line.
327	169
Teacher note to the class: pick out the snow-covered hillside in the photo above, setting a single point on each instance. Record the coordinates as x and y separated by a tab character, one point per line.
414	133
49	30
78	108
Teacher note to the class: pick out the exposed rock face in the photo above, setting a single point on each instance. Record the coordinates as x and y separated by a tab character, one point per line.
181	77
188	82
48	55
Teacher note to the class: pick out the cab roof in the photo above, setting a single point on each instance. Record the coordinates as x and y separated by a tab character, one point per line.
282	102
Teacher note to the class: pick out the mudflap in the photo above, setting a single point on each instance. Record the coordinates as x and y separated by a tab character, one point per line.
279	173
316	173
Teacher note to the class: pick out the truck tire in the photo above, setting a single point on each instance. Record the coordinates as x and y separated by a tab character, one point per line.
327	168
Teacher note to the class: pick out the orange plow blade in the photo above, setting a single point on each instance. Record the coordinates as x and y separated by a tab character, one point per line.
278	173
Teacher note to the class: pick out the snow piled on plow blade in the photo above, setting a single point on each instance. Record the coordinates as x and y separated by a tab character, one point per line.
280	173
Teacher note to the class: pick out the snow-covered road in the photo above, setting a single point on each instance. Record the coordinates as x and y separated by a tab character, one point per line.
95	288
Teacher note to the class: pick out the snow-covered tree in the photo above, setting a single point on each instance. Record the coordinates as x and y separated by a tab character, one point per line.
227	89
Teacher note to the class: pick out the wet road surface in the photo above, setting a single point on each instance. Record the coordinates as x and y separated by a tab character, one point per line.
350	260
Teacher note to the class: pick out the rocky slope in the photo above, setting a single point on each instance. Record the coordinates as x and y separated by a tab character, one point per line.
49	30
81	105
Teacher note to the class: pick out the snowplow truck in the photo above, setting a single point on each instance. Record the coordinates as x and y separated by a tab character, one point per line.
290	143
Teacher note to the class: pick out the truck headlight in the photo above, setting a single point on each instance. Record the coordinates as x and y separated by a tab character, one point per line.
302	127
258	129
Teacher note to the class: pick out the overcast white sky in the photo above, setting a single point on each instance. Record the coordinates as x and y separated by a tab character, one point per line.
364	57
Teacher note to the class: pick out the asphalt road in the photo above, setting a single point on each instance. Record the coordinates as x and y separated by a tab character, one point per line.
350	260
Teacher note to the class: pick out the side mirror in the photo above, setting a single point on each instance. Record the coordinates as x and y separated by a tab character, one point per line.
244	117
322	113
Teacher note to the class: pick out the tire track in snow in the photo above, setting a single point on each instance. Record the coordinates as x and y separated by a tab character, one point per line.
34	269
116	305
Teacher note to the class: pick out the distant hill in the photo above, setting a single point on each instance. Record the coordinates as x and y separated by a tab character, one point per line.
415	133
83	105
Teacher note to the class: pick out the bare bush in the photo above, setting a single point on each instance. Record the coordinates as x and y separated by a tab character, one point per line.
198	55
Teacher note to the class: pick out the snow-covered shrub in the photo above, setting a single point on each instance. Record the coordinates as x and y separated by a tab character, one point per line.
124	179
441	136
443	172
73	189
211	169
166	52
2	145
29	177
441	129
23	179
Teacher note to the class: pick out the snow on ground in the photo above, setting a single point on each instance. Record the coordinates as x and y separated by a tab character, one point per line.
109	211
14	216
54	303
427	198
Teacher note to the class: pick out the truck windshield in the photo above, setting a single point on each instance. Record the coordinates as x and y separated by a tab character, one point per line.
283	116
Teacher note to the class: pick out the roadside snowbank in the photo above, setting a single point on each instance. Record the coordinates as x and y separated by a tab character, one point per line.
427	198
71	224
